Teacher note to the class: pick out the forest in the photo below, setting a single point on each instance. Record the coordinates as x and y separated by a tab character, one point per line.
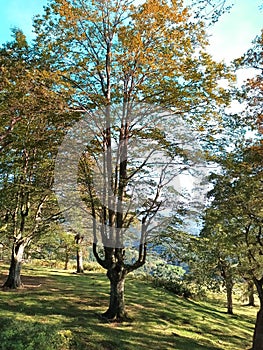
131	194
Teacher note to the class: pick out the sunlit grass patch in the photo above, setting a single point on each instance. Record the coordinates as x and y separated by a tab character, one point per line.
64	307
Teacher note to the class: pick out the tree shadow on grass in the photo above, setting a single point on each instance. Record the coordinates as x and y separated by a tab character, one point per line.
72	302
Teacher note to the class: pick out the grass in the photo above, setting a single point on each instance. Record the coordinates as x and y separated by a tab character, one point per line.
59	310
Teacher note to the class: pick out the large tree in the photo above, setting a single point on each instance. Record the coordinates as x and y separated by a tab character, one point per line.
125	61
32	121
253	88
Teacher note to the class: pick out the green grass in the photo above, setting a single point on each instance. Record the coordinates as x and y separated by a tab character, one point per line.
58	310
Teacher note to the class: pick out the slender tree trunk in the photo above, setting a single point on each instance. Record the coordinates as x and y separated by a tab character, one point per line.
258	331
78	241
116	310
66	259
14	278
80	268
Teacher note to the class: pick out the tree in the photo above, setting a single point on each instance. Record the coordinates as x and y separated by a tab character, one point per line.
253	97
125	61
53	244
31	110
208	256
237	208
218	254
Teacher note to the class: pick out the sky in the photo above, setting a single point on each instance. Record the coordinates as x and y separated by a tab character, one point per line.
231	36
233	33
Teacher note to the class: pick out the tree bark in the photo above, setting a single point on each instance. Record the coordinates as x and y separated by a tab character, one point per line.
226	273
258	331
14	278
66	259
251	299
78	241
116	310
229	292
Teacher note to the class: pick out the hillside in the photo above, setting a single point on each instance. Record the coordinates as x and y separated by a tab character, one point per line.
58	310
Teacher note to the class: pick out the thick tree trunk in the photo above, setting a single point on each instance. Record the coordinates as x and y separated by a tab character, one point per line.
258	331
116	310
14	278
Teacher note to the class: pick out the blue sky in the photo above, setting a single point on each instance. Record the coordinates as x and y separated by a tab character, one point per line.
18	13
232	35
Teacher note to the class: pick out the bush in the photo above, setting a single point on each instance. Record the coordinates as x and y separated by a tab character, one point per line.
18	335
176	287
167	272
93	266
167	276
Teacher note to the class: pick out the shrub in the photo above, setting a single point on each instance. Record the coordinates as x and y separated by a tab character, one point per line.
176	287
167	276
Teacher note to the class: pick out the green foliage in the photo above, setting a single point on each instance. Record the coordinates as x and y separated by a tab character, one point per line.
176	287
235	214
164	275
169	277
33	122
167	271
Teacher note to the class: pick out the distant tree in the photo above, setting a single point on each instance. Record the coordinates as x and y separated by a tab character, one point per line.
237	206
250	292
78	241
53	244
217	251
206	255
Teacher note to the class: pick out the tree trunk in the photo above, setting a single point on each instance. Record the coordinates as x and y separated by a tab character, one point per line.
258	331
251	299
66	259
116	310
226	273
80	268
116	272
78	241
229	293
14	278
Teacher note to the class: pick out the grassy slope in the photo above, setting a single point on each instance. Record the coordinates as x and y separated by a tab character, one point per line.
69	303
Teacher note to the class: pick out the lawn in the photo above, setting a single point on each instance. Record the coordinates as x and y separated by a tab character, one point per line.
58	310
